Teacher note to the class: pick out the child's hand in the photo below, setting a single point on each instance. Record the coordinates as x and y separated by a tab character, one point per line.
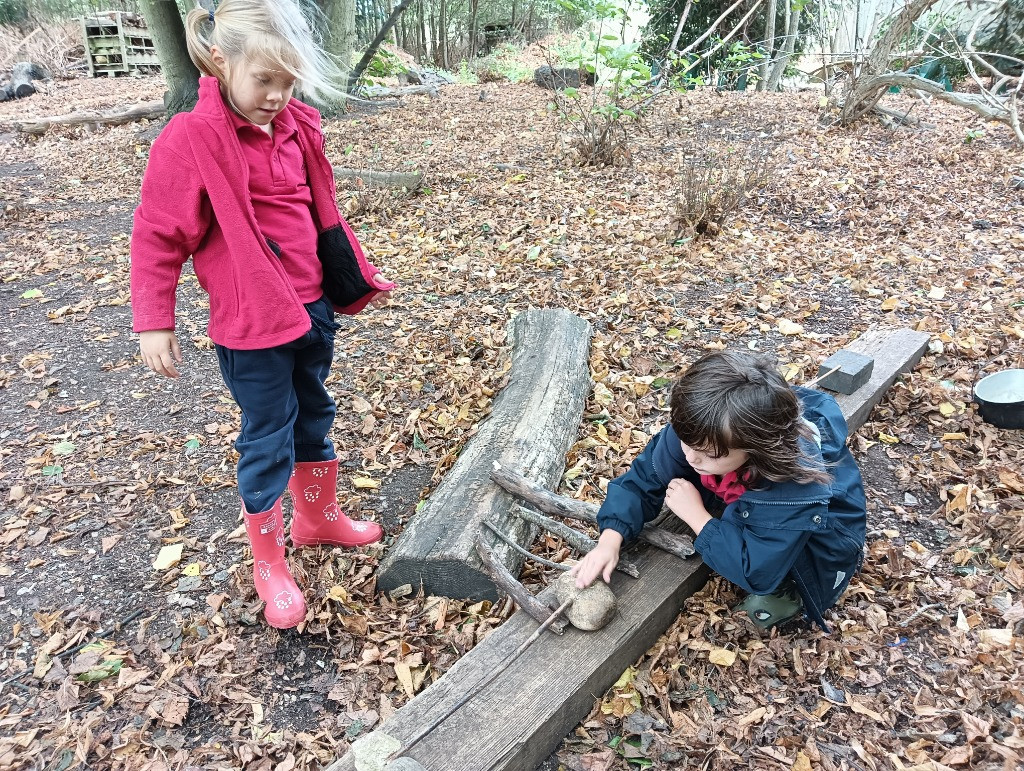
599	561
683	500
160	350
384	296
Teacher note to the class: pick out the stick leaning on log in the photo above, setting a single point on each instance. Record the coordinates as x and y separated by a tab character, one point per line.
510	586
560	506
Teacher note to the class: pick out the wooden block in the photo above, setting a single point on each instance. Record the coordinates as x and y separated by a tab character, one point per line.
845	371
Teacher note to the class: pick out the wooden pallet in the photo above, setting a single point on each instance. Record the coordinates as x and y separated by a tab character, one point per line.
117	43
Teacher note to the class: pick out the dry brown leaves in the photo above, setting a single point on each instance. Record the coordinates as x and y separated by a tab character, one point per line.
103	465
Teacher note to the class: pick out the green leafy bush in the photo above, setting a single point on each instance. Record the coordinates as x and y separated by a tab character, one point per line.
600	119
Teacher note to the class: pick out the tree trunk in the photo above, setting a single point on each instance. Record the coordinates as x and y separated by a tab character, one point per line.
371	50
474	7
341	31
864	91
423	50
769	44
786	53
180	74
442	33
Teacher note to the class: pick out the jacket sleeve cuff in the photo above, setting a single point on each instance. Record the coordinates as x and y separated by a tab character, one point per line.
347	274
705	540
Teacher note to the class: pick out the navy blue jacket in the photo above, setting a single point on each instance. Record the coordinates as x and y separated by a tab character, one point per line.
813	533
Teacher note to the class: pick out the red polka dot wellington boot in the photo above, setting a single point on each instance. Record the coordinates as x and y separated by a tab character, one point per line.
285	605
317	518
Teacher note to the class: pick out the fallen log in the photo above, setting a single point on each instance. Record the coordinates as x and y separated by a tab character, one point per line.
411	180
100	117
533	423
22	75
546	692
383	92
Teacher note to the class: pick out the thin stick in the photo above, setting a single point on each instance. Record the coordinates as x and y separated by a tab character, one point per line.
507	583
550	503
918	612
570	535
486	681
819	378
525	552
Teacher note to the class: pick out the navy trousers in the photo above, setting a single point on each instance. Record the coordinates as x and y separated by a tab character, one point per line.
286	410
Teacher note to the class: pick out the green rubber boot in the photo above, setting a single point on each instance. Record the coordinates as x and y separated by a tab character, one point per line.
768	610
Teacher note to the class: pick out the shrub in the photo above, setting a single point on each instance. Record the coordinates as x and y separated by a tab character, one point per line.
714	184
600	120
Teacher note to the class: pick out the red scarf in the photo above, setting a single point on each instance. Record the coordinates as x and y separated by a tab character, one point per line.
728	488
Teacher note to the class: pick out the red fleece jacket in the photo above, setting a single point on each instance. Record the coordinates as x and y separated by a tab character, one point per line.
195	201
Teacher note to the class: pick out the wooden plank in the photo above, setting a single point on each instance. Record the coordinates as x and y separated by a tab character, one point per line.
894	351
517	720
533	423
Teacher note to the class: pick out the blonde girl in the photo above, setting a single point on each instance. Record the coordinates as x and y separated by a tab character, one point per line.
242	185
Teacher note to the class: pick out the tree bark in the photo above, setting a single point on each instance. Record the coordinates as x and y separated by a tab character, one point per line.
769	43
341	31
180	74
371	50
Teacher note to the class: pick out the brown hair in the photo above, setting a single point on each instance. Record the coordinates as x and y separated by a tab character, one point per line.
733	400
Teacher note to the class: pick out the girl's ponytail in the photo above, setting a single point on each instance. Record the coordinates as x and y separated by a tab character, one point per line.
199	25
277	32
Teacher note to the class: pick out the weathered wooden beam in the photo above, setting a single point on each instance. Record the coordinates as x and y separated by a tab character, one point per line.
895	351
533	423
552	686
514	723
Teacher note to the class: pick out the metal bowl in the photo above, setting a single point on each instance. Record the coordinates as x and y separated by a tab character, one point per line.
1000	398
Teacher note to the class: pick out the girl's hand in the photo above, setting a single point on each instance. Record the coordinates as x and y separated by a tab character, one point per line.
599	561
160	350
683	500
384	297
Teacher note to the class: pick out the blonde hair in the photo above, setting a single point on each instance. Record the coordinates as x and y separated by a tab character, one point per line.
263	32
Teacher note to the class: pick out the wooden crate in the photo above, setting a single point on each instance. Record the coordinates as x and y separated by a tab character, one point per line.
118	43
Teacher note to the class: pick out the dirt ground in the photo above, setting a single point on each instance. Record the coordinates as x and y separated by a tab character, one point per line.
109	663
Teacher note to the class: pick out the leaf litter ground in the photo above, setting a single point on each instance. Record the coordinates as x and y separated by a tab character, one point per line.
106	470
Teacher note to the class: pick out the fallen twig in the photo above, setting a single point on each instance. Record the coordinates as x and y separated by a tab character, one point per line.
920	611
